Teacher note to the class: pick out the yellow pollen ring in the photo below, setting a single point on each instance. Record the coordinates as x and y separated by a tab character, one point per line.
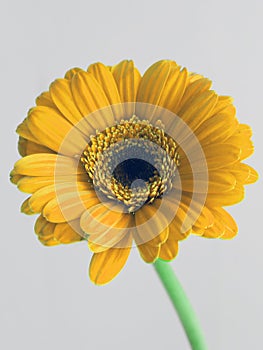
126	142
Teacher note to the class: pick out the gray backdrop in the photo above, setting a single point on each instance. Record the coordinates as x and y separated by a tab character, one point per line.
47	301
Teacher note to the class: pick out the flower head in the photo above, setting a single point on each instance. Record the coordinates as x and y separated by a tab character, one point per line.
113	158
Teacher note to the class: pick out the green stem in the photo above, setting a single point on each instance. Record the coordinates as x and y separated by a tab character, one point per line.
181	304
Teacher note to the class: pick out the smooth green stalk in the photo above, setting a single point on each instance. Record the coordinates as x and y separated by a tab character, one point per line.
182	305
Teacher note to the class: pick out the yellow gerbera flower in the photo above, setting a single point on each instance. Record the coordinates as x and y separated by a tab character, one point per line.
115	158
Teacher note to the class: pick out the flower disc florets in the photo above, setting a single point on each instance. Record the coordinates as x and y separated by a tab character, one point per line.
133	162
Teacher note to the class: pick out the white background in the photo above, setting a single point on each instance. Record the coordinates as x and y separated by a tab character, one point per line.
47	301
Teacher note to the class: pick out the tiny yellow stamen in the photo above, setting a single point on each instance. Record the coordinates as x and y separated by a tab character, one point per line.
121	144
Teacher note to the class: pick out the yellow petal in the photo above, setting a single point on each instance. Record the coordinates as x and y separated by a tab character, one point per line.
226	219
152	85
244	173
111	215
198	109
177	226
44	195
109	238
106	265
149	252
45	232
23	131
89	97
55	132
70	206
154	243
106	225
174	89
221	155
172	85
105	78
213	158
223	104
169	249
224	227
97	248
199	231
226	198
179	215
153	82
26	147
60	91
205	220
71	72
15	178
127	79
216	231
67	233
151	224
241	139
40	223
31	184
53	234
247	150
192	77
218	128
45	100
186	210
25	207
217	181
244	130
194	88
44	164
48	241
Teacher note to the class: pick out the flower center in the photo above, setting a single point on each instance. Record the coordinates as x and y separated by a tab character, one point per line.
132	162
133	169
